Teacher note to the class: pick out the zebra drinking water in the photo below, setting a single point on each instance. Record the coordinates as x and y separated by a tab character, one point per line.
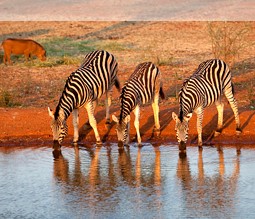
96	76
143	86
203	88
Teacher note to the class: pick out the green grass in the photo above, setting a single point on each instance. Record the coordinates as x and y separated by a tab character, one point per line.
63	46
64	51
67	51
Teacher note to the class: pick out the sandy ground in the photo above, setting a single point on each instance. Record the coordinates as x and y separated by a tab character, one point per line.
187	42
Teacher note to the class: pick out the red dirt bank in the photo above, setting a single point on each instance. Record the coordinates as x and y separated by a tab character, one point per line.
32	126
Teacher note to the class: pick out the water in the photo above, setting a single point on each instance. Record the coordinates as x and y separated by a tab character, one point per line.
147	182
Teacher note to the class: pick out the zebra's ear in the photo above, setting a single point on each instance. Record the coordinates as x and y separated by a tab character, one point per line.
175	117
188	117
115	119
50	113
127	119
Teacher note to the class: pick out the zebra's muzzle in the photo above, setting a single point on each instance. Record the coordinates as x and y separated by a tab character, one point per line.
56	145
120	144
182	146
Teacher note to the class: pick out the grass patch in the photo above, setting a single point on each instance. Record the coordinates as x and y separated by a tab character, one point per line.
164	61
63	46
110	46
64	51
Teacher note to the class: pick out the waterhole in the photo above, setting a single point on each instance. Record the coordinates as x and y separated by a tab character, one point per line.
106	182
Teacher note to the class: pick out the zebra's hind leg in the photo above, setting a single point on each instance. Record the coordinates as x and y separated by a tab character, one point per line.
155	108
87	124
136	123
90	109
108	102
232	101
76	125
220	109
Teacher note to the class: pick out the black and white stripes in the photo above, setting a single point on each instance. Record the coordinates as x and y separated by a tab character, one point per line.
203	88
96	76
143	86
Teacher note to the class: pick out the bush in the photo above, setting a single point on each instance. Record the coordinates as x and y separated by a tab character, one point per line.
228	40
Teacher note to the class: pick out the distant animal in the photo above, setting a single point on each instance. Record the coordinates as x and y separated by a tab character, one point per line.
143	86
22	46
203	88
96	76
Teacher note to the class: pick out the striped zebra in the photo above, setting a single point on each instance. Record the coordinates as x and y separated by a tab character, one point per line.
203	88
96	76
143	86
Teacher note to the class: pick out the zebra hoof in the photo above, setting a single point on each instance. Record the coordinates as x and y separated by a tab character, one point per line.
200	144
200	148
216	133
156	132
140	145
99	143
75	142
238	131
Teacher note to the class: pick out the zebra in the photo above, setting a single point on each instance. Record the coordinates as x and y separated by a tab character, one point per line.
206	86
96	76
143	86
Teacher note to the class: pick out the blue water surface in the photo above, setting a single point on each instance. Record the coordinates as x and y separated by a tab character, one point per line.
106	182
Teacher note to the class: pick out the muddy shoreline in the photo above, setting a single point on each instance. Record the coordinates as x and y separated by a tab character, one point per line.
31	126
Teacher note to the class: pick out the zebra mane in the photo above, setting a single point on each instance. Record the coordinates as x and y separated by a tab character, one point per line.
122	100
181	110
56	113
183	88
69	79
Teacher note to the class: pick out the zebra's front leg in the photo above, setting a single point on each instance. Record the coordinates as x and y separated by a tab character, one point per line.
76	125
220	109
108	102
155	108
200	114
92	121
136	123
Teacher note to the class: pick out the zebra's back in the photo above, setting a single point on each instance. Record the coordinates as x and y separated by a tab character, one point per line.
206	84
142	82
97	74
139	88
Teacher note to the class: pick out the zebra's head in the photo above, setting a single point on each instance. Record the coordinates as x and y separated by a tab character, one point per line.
182	129
59	127
122	130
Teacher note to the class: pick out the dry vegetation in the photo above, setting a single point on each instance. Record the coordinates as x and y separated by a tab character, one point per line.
176	47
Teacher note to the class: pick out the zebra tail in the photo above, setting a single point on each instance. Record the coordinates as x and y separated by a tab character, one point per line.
161	93
117	84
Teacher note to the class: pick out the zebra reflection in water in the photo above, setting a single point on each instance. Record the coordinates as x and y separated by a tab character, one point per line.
206	193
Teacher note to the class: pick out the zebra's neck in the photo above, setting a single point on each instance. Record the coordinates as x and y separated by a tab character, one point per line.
128	103
62	111
185	108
